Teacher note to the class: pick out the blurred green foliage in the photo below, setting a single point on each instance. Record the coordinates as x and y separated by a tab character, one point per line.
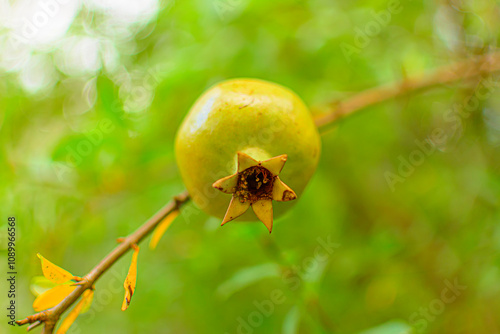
397	247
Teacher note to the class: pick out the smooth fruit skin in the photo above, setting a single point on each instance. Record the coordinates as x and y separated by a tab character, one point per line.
256	117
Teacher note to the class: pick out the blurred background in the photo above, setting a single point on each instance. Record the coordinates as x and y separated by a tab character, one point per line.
393	235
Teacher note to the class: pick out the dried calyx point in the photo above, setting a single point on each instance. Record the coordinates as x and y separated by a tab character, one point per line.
255	184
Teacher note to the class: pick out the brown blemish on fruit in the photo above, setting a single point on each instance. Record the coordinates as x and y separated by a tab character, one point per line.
246	105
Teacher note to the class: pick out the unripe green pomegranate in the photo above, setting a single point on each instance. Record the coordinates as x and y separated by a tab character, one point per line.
235	141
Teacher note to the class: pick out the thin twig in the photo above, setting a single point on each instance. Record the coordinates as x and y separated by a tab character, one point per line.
33	325
51	316
466	69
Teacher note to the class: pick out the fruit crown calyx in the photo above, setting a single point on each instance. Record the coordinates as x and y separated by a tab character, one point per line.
255	184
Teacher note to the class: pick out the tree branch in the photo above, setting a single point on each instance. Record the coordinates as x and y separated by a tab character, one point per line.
51	316
466	69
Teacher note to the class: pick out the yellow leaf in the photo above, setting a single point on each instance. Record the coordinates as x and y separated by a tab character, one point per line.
54	273
131	279
88	301
52	297
82	304
161	228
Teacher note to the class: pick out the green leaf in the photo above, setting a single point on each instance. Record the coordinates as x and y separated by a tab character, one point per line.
247	276
40	284
391	327
291	322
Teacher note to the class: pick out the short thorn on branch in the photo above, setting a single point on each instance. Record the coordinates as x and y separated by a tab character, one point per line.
37	318
33	325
